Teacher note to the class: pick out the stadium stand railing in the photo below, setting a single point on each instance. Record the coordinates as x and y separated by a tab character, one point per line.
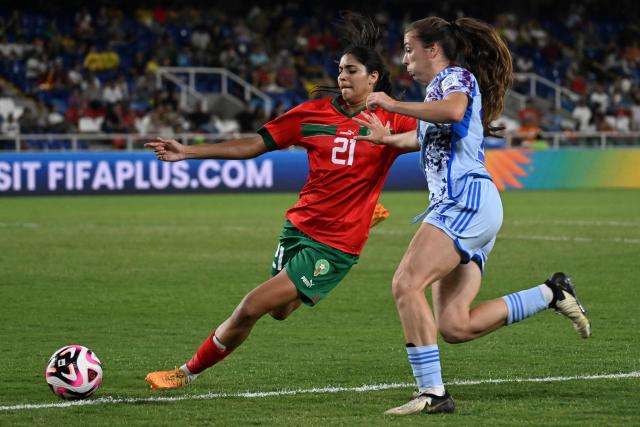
135	141
99	141
536	86
206	80
571	139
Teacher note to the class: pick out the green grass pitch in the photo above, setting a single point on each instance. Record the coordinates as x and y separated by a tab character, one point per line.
141	280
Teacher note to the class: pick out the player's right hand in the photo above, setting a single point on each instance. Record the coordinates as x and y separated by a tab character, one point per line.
379	99
167	150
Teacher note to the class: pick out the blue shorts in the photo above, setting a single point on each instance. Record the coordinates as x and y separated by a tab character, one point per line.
473	221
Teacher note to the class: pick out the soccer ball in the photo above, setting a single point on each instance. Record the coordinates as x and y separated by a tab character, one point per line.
74	372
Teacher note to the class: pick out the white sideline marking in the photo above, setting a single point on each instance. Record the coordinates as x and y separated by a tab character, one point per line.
19	224
573	222
627	240
577	222
107	400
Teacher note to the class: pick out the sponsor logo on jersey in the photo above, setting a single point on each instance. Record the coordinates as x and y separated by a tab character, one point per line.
322	268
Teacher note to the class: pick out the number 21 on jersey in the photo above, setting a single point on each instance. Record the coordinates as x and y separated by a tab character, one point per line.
337	155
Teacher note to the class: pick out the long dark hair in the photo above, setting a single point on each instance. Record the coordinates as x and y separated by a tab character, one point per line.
361	37
475	45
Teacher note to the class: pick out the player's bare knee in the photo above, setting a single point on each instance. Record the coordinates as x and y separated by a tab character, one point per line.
248	312
452	337
453	334
401	284
405	284
279	315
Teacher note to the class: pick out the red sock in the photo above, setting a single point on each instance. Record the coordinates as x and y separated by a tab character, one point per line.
207	355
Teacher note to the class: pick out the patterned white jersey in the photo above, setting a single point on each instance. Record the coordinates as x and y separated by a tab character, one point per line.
451	153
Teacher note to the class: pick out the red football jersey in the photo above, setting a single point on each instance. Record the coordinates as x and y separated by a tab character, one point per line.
345	176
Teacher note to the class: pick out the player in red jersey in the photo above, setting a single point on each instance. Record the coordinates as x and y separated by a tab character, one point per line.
325	231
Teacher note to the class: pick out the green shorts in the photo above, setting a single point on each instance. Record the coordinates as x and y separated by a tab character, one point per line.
313	267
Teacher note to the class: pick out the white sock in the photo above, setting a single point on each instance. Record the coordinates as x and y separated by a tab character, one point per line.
547	293
190	375
437	390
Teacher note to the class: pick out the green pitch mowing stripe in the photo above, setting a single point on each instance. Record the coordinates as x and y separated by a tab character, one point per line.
108	400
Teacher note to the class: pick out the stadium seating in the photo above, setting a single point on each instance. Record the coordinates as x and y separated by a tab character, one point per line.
111	42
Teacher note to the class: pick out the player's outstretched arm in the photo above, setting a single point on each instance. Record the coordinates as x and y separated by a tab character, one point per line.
451	109
170	150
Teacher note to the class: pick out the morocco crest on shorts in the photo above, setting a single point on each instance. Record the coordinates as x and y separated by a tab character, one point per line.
322	267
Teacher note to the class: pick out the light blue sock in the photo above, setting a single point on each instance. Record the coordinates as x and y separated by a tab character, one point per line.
425	363
525	303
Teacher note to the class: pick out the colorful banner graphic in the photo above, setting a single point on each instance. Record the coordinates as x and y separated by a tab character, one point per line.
568	168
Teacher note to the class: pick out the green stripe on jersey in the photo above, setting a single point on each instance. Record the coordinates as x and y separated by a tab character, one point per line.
312	129
267	138
364	131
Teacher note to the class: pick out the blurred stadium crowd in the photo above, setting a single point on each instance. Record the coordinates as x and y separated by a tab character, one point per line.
99	61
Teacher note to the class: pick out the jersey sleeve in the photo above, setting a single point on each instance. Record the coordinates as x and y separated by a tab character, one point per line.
283	131
458	81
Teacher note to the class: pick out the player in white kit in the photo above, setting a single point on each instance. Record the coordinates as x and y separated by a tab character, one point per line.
468	69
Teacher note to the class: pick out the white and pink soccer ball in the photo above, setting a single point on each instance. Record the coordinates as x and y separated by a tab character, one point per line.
74	372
